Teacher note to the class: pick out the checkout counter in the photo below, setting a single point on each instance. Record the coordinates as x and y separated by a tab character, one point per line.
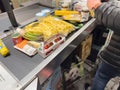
21	69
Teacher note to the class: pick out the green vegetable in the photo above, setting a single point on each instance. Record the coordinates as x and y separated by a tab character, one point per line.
80	25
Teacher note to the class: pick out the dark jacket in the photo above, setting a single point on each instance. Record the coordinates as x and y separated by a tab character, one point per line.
108	14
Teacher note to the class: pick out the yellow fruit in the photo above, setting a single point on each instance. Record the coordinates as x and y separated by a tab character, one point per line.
92	13
4	51
65	12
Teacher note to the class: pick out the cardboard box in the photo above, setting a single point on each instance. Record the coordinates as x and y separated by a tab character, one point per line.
85	48
0	11
15	3
18	3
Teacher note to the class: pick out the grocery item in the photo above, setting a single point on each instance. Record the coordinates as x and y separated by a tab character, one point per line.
65	12
92	13
50	45
80	25
81	6
47	11
16	38
3	49
34	44
47	28
33	36
85	16
73	17
65	4
25	48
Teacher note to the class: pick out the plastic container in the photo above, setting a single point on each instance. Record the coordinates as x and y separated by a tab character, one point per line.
85	15
43	13
46	48
46	11
16	38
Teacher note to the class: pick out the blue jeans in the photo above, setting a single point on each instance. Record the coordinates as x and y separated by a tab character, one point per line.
104	73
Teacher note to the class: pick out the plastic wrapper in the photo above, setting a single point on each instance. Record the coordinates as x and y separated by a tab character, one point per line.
73	17
45	29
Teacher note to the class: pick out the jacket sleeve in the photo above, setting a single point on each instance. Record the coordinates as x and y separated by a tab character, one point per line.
108	14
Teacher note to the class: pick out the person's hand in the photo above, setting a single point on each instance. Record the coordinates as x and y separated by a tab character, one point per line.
93	4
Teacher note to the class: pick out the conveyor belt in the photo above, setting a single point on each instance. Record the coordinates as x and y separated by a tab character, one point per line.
25	68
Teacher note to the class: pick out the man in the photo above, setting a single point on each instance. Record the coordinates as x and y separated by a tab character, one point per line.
107	14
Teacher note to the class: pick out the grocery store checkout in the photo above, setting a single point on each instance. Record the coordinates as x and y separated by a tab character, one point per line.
20	68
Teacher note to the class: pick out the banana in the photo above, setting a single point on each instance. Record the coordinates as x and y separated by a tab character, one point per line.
33	33
48	27
32	36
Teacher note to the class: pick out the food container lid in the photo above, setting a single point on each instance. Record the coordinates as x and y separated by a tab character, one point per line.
41	14
15	35
45	10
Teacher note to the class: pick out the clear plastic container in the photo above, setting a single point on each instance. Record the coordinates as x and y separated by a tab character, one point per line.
41	15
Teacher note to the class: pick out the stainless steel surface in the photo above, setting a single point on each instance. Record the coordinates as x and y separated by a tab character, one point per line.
24	15
4	22
25	68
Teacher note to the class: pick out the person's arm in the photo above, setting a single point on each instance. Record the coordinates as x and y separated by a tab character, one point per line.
108	14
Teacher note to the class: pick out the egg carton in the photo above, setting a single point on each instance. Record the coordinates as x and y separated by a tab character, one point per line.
47	47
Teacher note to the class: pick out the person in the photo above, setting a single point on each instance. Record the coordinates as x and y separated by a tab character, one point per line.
107	14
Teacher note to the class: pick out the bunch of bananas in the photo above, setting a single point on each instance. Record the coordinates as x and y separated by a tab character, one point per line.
47	28
32	36
59	25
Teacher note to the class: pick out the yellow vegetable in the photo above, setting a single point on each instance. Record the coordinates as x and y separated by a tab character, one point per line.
3	49
92	13
49	27
65	12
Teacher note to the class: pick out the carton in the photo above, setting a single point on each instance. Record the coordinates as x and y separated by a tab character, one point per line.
85	48
47	47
